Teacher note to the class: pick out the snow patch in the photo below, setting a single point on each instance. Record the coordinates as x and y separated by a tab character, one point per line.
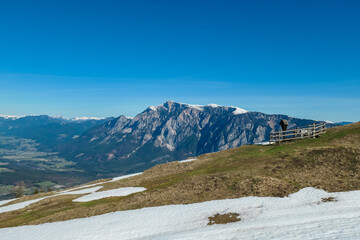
188	160
110	193
81	187
213	105
81	191
125	176
3	202
197	107
239	111
17	206
264	143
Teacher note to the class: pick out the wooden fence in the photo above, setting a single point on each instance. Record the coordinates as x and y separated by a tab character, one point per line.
309	131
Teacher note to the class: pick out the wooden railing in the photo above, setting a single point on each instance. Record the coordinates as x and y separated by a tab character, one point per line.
309	131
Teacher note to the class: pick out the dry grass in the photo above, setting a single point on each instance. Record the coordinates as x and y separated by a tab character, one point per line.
331	162
224	218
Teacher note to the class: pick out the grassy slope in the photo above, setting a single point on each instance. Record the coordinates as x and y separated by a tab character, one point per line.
331	162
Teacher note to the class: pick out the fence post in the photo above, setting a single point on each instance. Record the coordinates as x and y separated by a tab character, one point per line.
314	130
279	137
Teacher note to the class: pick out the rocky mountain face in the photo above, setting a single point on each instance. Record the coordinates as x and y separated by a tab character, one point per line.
171	131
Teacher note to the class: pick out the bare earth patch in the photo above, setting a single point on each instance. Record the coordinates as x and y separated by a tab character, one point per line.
224	218
329	199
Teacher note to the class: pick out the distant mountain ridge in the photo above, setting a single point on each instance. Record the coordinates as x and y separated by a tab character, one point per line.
171	131
49	132
14	117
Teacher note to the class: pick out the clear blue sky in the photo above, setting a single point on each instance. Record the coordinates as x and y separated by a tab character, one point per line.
106	58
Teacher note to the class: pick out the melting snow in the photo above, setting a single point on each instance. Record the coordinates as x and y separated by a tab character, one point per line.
264	143
3	202
20	205
302	215
125	176
82	191
81	187
110	193
188	160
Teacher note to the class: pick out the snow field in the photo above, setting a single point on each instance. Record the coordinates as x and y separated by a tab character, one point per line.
302	215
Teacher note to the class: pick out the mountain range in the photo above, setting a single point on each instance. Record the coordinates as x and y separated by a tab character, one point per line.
168	132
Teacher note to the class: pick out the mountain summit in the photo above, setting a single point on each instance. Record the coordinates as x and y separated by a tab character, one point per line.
169	104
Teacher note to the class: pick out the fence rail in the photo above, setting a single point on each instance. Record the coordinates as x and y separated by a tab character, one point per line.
309	131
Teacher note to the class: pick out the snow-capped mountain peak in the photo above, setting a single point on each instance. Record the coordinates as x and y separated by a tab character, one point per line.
168	104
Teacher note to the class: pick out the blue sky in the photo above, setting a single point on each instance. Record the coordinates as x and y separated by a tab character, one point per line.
106	58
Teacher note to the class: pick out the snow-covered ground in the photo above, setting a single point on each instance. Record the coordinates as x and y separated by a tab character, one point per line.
302	215
109	193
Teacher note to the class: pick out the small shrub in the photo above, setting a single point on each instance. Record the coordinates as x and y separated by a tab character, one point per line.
36	191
